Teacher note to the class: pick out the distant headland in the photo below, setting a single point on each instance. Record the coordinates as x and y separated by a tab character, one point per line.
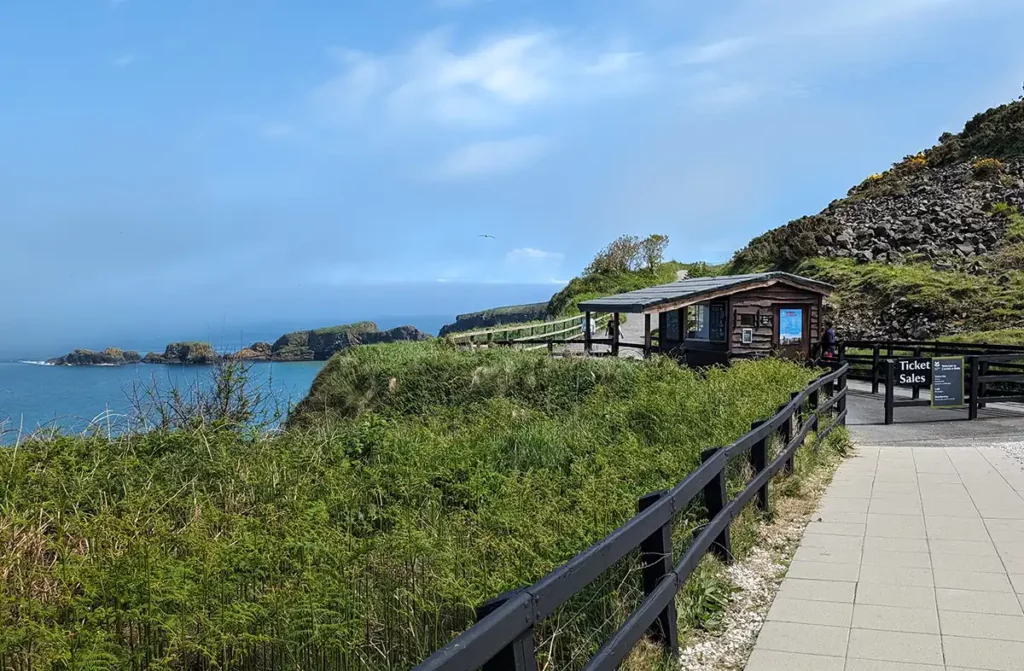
312	345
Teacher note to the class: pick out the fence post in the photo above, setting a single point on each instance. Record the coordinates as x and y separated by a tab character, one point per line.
812	399
874	369
842	352
656	559
517	655
551	348
917	388
982	386
972	409
715	500
615	334
890	391
787	433
759	462
841	404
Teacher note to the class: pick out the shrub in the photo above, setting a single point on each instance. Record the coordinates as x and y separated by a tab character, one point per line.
783	248
629	253
987	168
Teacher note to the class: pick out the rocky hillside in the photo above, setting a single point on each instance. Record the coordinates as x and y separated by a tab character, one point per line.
512	314
934	246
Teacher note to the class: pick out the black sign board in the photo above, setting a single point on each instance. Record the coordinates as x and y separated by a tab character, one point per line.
948	382
764	320
913	371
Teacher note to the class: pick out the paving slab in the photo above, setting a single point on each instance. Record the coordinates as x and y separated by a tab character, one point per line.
914	561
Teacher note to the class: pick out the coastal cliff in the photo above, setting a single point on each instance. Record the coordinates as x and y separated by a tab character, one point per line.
513	314
321	344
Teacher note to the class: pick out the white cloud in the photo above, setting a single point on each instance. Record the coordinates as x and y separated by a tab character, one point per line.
533	254
712	52
124	60
492	157
490	83
760	49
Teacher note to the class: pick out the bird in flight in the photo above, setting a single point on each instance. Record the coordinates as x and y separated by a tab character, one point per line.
484	235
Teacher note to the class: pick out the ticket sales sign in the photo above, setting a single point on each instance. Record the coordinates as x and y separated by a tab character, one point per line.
914	371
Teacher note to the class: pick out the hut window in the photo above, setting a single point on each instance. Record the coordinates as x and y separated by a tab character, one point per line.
748	320
698	320
706	321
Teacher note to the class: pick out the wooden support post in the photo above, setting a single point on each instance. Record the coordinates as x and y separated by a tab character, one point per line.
812	400
759	462
841	403
647	335
917	388
714	501
657	562
517	655
972	408
982	386
615	334
587	335
787	434
875	362
890	390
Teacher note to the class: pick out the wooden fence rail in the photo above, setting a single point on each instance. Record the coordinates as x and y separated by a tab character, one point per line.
503	638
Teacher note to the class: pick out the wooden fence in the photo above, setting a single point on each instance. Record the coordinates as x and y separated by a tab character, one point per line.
993	373
530	336
503	638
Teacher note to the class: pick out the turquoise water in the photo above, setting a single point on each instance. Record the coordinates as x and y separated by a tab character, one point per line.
34	396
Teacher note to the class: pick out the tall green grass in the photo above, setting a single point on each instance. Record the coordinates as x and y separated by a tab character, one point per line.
415	482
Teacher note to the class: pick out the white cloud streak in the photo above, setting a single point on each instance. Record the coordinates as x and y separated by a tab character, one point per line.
489	84
481	159
124	60
532	254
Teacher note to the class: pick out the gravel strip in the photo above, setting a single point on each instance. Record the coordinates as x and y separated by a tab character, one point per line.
757	578
1015	450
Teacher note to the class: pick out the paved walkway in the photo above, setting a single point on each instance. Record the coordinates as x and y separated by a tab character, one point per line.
914	562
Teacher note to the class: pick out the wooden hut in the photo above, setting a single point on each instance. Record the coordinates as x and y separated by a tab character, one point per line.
709	320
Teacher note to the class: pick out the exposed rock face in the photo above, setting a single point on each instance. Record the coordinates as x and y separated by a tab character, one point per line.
933	246
943	215
258	351
514	314
321	344
196	353
112	356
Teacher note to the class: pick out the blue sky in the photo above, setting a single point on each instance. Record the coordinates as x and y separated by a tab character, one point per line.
222	162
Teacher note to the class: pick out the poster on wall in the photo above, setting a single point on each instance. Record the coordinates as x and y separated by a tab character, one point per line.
791	326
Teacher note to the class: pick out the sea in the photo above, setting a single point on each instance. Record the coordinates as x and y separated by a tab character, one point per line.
35	396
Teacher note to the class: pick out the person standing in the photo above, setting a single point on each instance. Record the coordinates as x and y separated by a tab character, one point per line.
828	343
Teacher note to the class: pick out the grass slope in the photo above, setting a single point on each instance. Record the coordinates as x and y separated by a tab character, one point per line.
415	482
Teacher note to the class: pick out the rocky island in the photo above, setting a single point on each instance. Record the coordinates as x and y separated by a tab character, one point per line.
185	353
112	356
313	345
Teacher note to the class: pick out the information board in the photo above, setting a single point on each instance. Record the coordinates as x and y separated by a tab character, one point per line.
948	382
791	326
